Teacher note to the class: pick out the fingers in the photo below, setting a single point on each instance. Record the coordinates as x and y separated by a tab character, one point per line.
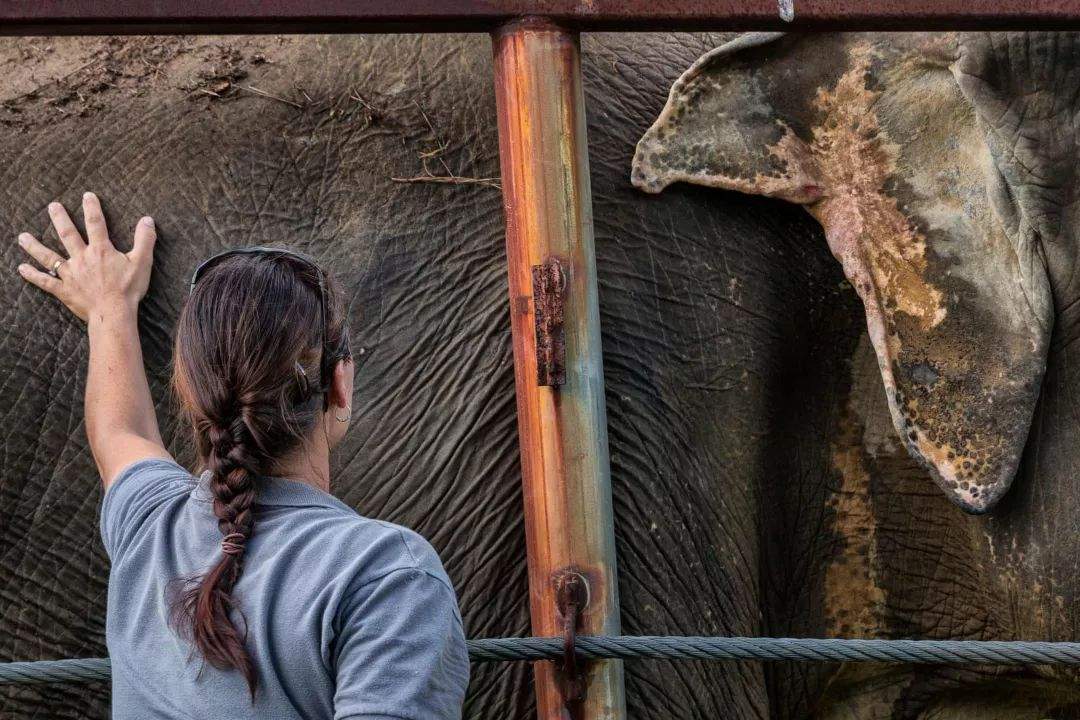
142	247
45	257
69	234
96	231
42	280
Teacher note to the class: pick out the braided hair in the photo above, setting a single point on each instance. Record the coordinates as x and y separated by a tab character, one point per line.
251	374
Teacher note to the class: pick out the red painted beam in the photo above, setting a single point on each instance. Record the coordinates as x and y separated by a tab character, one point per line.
69	17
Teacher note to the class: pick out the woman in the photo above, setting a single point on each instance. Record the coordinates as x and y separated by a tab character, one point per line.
249	591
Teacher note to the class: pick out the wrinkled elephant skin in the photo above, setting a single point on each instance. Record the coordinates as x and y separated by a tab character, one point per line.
759	487
941	167
245	140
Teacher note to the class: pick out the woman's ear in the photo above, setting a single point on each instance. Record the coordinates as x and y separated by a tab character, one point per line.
341	385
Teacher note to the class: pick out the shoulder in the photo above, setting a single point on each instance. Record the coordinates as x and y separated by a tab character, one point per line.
383	548
150	468
377	566
330	539
399	573
138	490
147	477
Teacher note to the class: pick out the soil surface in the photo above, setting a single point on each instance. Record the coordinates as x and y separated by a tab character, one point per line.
48	79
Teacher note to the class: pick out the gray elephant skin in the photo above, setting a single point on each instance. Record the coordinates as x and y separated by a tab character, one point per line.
760	487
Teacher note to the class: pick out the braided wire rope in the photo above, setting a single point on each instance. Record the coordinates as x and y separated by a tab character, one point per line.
945	652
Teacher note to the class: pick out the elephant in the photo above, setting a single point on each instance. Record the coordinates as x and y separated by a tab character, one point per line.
941	167
758	486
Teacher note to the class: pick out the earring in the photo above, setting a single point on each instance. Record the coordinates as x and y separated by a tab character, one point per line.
337	416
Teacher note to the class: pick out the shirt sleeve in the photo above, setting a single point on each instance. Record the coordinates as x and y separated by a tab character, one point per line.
134	495
400	650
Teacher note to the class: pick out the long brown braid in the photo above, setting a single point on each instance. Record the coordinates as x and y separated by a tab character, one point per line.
249	339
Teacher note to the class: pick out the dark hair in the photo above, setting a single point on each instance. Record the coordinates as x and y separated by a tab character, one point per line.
250	374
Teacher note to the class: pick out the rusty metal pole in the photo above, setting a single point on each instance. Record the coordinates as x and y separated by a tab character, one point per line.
555	319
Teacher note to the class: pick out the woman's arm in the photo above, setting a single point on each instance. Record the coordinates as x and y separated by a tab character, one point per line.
103	287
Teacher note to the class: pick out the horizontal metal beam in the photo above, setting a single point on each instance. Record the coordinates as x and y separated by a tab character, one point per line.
77	17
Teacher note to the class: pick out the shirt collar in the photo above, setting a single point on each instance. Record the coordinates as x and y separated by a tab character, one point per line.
277	491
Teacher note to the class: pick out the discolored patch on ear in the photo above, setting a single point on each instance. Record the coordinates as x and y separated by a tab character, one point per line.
881	250
873	136
905	210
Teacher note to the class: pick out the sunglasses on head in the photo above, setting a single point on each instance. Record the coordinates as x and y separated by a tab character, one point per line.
342	351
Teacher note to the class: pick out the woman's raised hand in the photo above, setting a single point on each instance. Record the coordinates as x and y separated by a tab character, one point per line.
94	276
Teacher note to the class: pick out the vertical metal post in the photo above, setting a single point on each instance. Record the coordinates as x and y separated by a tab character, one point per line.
555	319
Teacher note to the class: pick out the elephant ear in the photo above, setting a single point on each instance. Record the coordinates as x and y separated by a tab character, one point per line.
724	129
873	135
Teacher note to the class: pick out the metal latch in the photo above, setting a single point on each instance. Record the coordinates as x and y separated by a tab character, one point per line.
549	288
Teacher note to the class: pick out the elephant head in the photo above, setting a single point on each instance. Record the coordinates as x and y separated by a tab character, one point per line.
941	167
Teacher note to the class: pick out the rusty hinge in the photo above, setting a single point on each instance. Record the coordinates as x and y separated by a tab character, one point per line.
571	597
549	288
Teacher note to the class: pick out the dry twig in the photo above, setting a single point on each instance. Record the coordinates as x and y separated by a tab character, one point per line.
450	180
265	94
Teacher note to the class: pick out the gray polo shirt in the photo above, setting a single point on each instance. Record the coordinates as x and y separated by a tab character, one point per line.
346	617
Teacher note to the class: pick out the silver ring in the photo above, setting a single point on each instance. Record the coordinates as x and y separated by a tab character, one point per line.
55	271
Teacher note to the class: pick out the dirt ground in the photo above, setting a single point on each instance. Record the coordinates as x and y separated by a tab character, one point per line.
47	79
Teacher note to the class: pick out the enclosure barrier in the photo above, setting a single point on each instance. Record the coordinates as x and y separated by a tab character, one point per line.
553	297
936	652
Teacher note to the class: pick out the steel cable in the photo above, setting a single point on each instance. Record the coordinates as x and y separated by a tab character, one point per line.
945	652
